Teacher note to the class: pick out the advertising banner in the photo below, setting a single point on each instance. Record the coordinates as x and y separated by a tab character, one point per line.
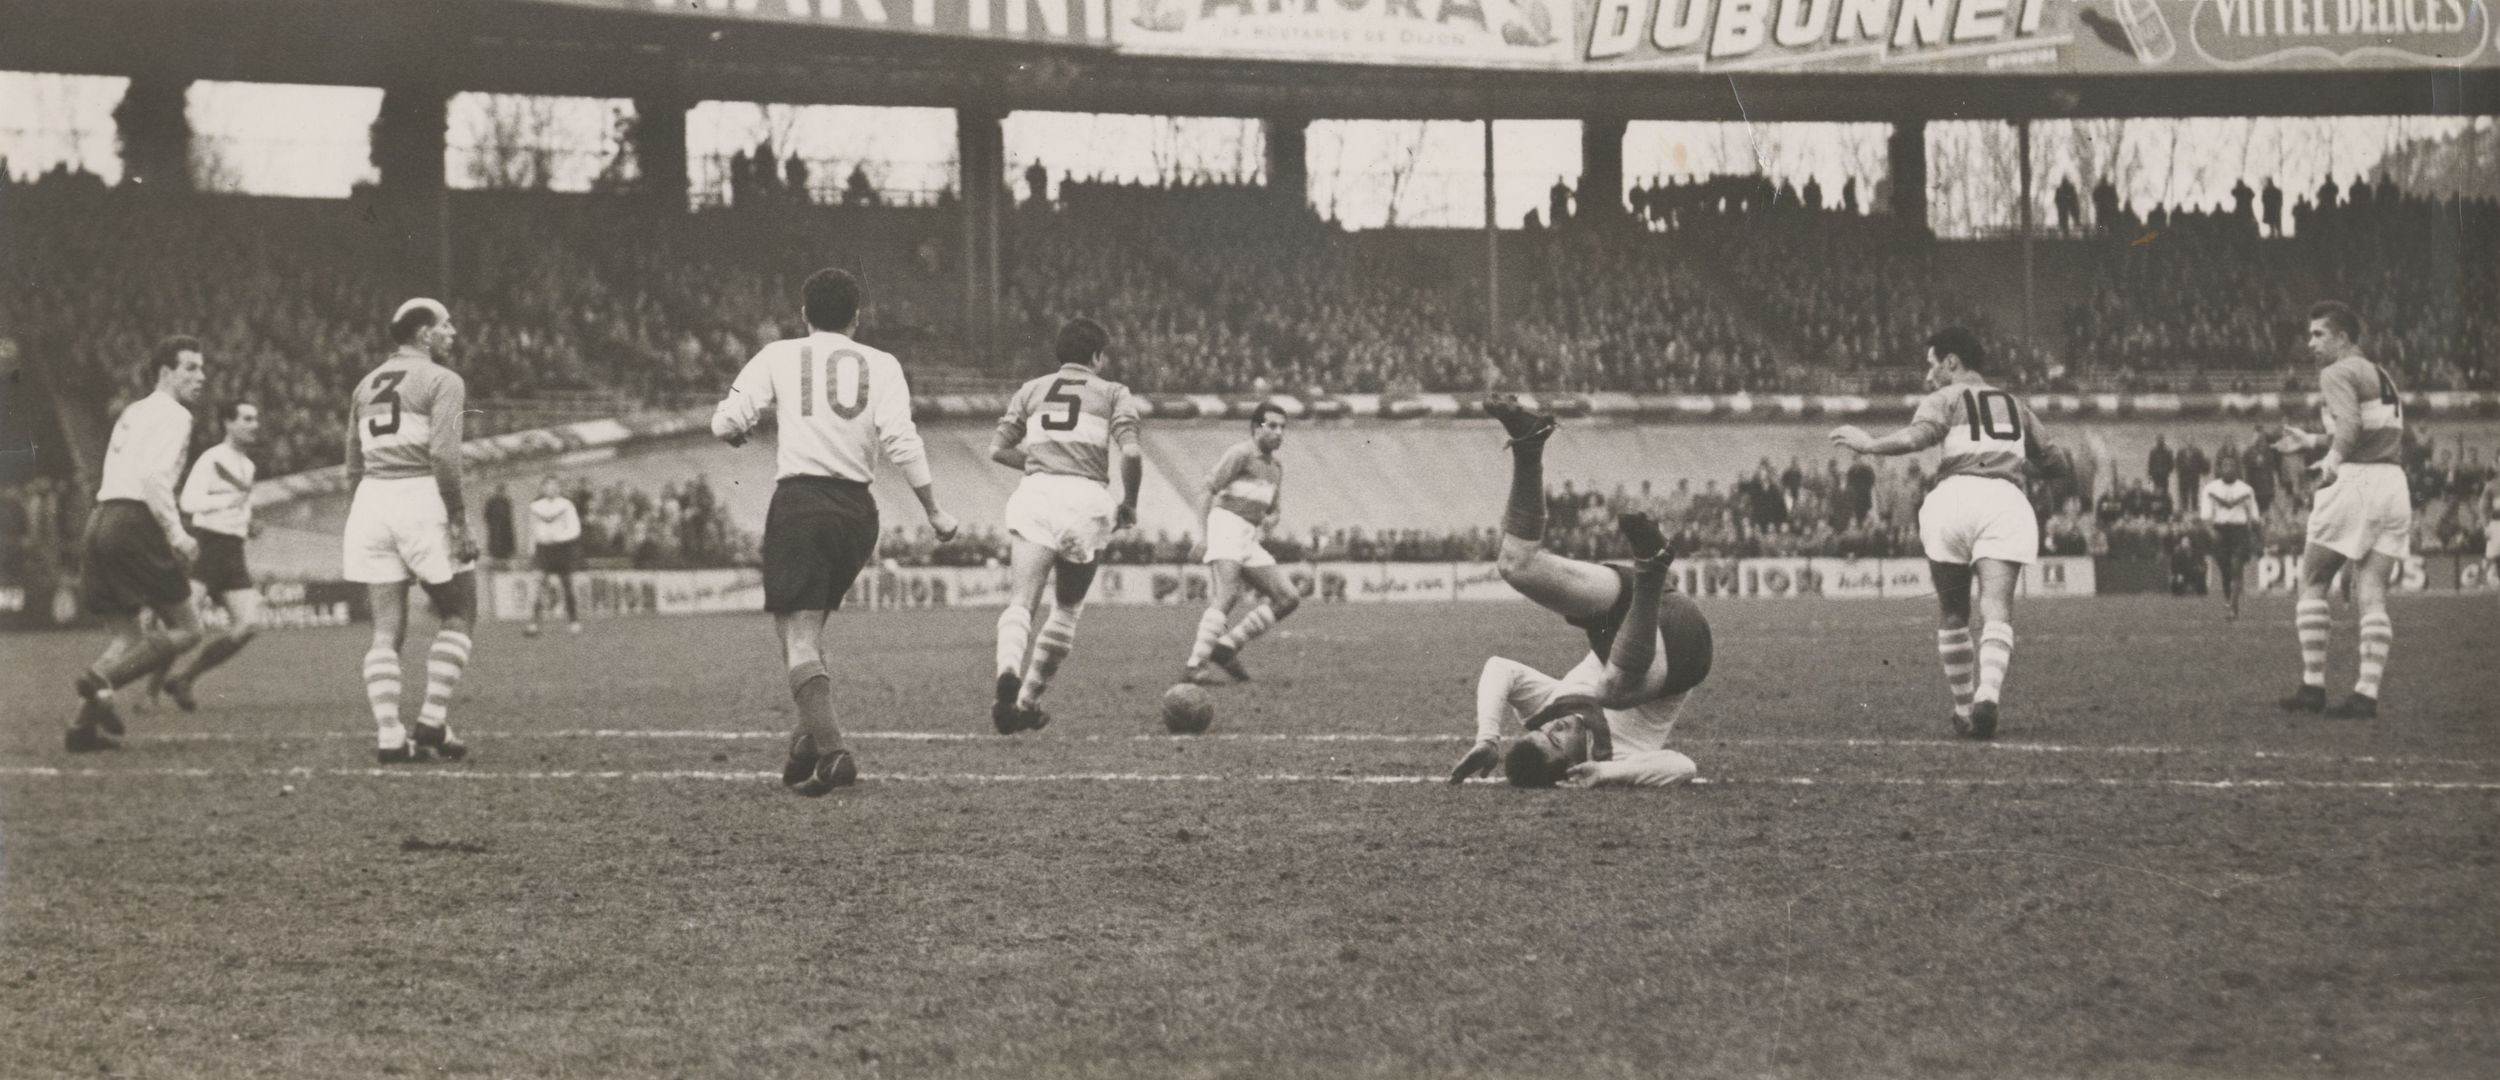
2050	36
1071	21
1448	33
2281	574
2478	575
1851	579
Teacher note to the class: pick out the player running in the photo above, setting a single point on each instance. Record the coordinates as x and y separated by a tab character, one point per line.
1607	720
1060	430
136	545
409	520
2363	513
1976	523
218	496
2229	509
555	544
1243	494
836	402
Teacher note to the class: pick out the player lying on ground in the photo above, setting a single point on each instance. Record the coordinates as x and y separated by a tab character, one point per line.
1607	720
1976	523
1243	494
136	546
2363	514
1059	430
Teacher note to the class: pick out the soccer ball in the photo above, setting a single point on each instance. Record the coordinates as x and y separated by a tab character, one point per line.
1187	710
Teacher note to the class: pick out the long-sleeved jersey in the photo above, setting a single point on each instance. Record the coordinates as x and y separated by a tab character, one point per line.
1067	423
837	403
218	496
1985	432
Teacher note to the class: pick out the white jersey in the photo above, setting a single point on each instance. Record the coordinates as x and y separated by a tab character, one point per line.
837	402
218	496
553	520
2228	502
144	459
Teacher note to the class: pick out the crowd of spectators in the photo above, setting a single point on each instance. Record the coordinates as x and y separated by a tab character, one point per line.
681	525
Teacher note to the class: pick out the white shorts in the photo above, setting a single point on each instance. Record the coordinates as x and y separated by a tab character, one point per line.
1969	518
396	529
1231	538
2368	508
1070	515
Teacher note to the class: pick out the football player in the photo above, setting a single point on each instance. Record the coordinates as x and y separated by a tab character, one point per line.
1243	493
1605	722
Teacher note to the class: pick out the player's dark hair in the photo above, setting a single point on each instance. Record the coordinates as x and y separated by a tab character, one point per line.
1259	415
1526	763
1081	341
831	299
414	320
235	409
168	354
2339	316
1958	341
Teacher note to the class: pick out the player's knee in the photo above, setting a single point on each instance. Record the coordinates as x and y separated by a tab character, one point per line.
179	638
243	630
1517	559
1284	604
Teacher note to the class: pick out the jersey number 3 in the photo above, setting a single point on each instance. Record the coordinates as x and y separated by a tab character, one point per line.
1981	406
848	406
385	392
1074	405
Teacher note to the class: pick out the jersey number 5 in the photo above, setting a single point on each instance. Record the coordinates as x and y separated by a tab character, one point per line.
847	406
385	392
1065	421
1981	407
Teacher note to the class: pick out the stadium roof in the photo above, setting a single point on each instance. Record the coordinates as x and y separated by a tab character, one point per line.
618	48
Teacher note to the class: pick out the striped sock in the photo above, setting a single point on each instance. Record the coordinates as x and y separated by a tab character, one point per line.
1953	647
1057	638
443	667
382	691
1250	627
1996	651
1015	631
2377	634
2313	618
1210	627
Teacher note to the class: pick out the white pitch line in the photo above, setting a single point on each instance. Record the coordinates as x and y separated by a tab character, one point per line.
1319	737
421	772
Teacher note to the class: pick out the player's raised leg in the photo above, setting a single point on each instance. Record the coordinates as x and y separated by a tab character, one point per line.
1281	601
1070	582
131	654
1029	564
1567	587
2313	621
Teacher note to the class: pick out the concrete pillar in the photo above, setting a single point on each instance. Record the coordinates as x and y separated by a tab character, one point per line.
1908	155
660	150
1601	170
1288	158
981	157
155	133
412	219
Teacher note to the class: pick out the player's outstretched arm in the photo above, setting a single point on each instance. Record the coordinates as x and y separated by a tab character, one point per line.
1906	440
1132	483
743	407
1479	760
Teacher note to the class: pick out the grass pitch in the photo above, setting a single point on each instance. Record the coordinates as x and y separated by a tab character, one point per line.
2151	873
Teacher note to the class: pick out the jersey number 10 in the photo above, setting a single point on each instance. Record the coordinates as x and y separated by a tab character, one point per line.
846	367
1980	406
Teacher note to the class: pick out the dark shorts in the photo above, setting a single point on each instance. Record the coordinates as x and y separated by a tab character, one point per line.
129	565
220	565
2232	543
817	535
563	558
1683	634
